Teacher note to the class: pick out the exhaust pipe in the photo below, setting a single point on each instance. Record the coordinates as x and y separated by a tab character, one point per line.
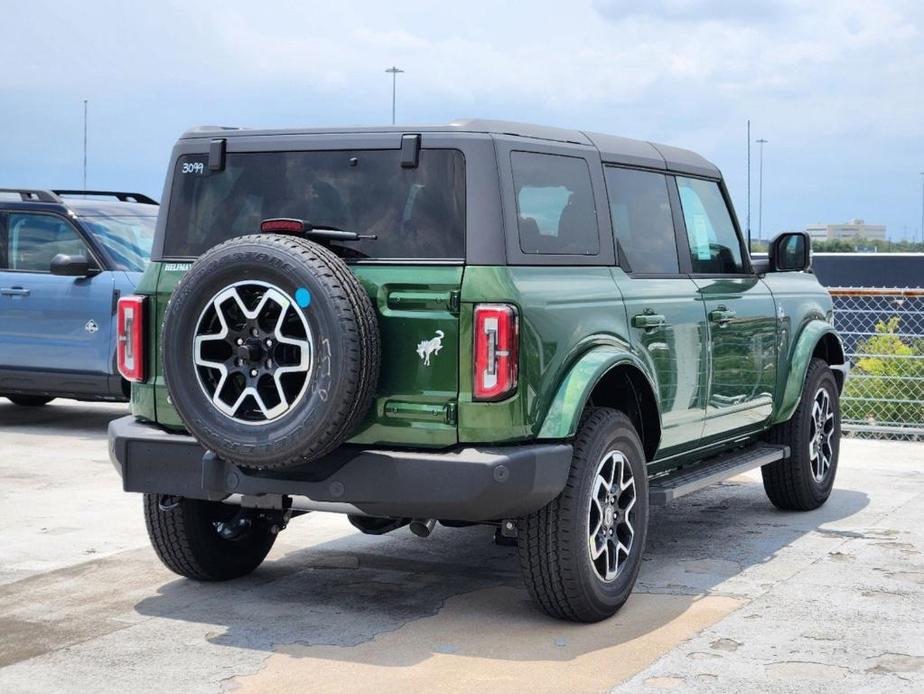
422	527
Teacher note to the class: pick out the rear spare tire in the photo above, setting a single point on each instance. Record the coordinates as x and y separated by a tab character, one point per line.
270	350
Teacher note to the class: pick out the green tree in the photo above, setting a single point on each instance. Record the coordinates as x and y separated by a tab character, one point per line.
833	246
886	386
851	246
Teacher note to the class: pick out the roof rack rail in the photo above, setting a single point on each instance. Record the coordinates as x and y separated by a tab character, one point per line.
33	194
118	195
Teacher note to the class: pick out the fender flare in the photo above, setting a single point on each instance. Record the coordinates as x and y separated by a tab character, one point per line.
564	414
799	358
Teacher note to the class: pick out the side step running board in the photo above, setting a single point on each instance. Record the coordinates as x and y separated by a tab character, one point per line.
662	490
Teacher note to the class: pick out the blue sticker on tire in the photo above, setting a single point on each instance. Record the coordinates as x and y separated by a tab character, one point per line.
302	297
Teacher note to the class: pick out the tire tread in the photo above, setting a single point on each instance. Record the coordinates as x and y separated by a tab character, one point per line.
183	545
786	482
546	548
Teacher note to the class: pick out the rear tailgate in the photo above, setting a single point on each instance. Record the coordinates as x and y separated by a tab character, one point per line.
418	309
415	402
411	218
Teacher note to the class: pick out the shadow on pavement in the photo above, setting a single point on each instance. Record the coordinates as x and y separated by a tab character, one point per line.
60	418
349	591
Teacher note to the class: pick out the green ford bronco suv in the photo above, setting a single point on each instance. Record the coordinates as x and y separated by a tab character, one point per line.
538	329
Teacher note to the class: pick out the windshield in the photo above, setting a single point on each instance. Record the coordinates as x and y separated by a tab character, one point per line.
414	212
127	240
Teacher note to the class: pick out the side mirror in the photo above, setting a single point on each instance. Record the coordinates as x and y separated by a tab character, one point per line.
72	266
791	251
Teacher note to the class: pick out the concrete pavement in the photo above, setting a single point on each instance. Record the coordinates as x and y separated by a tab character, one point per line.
733	594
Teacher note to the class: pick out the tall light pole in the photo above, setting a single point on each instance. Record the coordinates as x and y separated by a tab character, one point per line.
760	190
922	207
395	71
84	144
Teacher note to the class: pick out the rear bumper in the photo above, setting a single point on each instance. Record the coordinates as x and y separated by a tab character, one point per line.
465	484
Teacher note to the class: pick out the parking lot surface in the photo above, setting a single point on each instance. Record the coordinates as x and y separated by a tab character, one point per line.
733	594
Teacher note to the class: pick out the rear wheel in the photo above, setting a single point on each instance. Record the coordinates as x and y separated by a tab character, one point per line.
804	481
208	540
580	555
29	400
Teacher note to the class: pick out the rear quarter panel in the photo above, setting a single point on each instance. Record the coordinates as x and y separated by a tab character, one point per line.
563	313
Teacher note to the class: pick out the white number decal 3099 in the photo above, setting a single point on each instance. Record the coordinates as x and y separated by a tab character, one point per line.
193	167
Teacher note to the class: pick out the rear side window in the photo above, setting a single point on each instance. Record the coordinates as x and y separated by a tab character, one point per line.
714	244
413	212
641	212
555	204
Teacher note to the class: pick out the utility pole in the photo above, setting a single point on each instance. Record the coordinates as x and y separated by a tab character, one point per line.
749	185
760	191
394	71
84	144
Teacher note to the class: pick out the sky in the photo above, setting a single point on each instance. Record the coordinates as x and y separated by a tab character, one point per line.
835	87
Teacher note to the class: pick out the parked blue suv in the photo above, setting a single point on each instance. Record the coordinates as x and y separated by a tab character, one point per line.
66	257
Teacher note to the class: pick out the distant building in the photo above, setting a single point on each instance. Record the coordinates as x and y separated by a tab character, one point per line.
854	229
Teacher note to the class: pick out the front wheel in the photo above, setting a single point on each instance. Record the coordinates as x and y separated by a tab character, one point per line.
208	540
804	481
580	555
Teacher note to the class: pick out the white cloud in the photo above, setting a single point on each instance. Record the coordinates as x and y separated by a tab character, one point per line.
693	10
824	80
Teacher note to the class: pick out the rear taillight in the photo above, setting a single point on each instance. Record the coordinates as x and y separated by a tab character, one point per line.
130	348
496	341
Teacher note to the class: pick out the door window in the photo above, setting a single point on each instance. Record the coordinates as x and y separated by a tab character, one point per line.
714	244
30	241
555	204
641	212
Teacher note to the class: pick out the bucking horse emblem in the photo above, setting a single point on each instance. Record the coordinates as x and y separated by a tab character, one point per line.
427	348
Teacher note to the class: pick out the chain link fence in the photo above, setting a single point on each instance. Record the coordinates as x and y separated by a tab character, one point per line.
883	334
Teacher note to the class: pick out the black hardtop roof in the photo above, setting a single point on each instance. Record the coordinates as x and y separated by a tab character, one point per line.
613	149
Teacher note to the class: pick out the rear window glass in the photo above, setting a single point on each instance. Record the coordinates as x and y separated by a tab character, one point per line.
555	204
413	212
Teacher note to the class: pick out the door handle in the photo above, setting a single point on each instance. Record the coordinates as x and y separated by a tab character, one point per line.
721	316
14	291
648	321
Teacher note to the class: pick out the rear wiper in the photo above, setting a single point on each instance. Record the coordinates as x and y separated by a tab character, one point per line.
302	227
